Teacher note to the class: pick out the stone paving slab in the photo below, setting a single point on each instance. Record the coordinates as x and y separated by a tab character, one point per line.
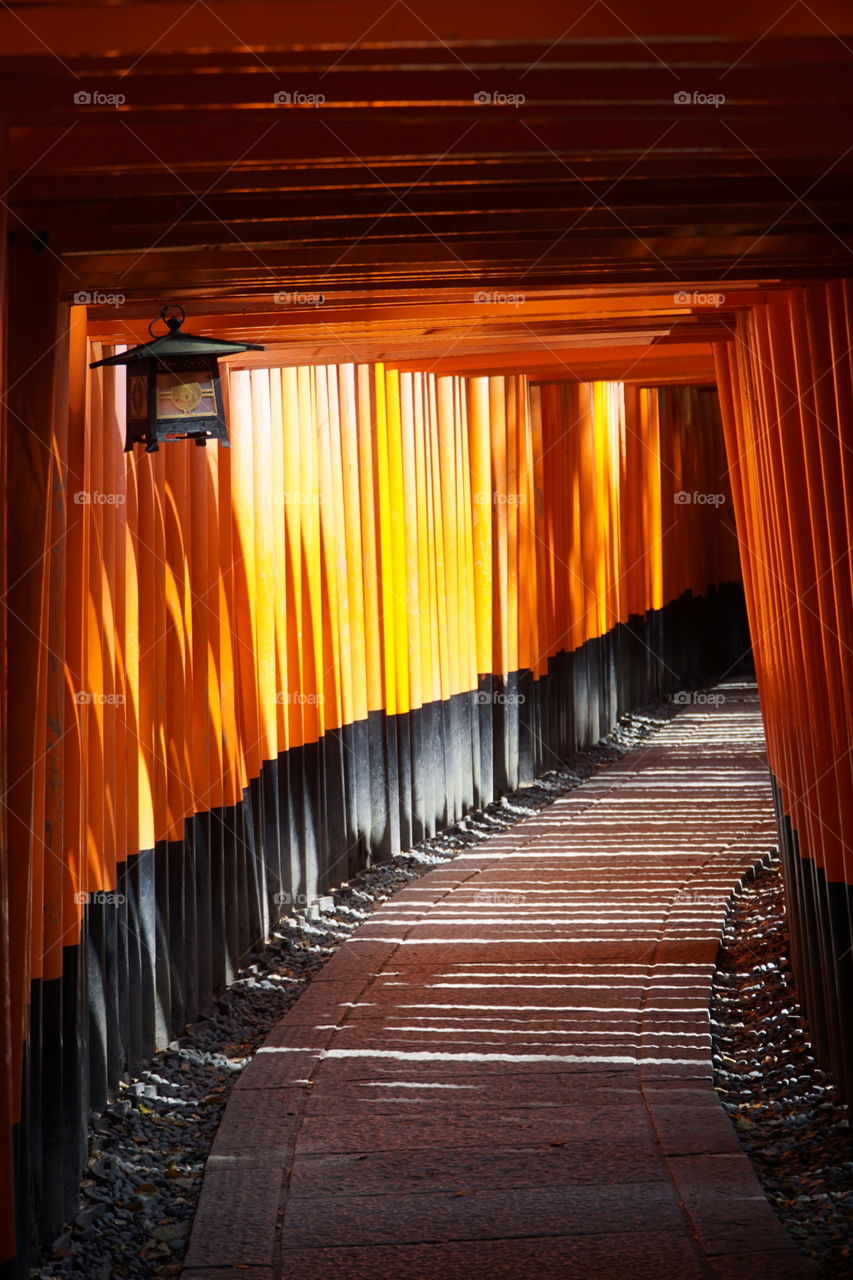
543	1089
400	1218
569	950
459	1127
506	1071
278	1070
220	1273
237	1239
775	1264
642	1256
357	956
724	1200
453	1170
274	1112
362	1064
698	1129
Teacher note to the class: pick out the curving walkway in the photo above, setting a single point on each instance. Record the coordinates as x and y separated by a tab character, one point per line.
506	1072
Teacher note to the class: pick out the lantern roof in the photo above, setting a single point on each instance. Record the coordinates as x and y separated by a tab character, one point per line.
175	343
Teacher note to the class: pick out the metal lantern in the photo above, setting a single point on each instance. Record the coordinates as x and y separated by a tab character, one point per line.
173	388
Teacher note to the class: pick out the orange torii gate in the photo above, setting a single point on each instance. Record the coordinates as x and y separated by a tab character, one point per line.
255	670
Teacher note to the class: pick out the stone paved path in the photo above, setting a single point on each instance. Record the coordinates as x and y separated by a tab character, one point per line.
506	1072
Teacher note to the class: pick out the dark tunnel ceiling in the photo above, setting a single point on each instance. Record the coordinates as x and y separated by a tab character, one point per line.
400	187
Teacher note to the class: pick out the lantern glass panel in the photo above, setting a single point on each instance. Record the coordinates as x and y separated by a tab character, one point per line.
137	396
184	396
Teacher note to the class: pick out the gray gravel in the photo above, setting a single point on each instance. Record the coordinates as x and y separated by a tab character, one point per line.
786	1111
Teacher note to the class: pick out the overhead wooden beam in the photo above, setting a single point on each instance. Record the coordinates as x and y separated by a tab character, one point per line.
524	86
499	264
186	220
69	27
121	141
586	311
709	177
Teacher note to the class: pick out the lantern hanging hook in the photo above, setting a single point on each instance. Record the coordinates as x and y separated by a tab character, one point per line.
172	322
